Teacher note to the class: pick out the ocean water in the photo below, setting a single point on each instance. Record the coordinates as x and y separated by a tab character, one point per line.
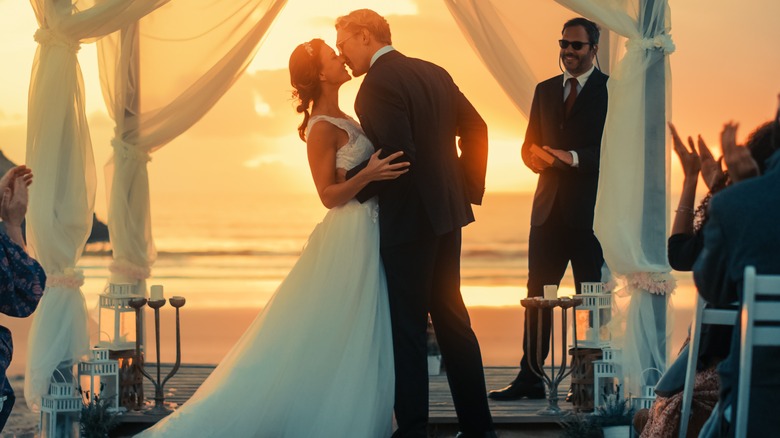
234	251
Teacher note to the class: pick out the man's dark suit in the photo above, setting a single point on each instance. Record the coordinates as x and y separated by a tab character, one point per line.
414	106
562	215
743	229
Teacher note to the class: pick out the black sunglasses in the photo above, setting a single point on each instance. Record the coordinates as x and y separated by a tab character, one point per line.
576	45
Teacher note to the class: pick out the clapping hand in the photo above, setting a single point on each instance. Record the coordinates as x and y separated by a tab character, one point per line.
739	162
13	205
9	179
710	167
691	163
14	192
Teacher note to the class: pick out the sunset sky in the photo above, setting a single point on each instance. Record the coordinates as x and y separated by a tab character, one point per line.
725	67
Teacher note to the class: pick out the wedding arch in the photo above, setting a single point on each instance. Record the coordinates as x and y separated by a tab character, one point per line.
137	46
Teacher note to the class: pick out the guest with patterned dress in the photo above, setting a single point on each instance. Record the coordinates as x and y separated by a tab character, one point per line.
22	279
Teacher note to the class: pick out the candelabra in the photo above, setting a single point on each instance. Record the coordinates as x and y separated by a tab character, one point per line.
536	363
159	396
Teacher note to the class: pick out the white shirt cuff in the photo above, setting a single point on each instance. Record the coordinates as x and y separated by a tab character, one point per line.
575	162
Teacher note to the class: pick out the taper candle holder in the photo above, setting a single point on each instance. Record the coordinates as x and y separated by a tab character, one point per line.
159	384
536	363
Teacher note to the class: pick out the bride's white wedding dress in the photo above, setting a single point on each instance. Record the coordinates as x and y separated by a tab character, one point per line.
318	360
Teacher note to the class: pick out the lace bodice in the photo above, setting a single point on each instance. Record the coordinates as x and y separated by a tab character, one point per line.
357	149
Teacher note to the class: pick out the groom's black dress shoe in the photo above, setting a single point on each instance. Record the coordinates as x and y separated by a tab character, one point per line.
517	390
491	434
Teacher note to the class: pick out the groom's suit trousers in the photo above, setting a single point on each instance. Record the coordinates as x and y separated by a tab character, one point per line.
423	277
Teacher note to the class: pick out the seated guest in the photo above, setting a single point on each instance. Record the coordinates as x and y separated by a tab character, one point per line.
22	279
684	246
742	230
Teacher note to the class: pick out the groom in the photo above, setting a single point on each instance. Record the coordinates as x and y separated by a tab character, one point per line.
410	105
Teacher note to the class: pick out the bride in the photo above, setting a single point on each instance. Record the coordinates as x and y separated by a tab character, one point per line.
318	360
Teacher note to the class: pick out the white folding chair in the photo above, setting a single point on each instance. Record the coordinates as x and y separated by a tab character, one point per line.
759	305
701	316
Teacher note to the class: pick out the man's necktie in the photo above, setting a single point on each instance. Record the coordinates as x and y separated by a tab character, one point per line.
569	103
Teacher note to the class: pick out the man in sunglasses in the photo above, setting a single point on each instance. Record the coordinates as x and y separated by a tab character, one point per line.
562	144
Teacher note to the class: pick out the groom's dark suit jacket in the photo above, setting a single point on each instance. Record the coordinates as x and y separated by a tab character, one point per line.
410	105
574	188
414	106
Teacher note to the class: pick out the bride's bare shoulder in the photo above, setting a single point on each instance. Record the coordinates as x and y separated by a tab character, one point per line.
324	133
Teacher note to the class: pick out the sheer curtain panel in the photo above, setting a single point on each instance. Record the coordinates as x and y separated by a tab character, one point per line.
159	76
62	198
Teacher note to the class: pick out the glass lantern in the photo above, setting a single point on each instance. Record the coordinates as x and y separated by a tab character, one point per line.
607	376
647	394
646	400
99	377
117	318
60	410
592	316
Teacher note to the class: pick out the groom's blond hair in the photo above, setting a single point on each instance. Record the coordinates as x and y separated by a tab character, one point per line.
367	19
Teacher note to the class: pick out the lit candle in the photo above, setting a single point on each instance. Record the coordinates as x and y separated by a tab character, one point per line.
550	292
156	293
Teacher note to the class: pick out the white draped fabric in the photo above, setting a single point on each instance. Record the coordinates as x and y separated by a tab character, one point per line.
490	37
160	76
60	153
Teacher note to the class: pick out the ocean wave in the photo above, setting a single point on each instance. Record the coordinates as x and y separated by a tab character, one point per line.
474	253
208	253
494	253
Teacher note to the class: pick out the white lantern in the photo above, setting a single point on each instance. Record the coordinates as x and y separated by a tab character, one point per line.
99	376
60	409
646	400
592	316
647	395
607	373
117	319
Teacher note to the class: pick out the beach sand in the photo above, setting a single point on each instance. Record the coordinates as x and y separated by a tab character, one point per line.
207	335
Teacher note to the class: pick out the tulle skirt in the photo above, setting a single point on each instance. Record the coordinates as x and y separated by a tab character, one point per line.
318	360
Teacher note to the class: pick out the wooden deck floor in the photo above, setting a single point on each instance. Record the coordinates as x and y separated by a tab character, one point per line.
523	411
182	385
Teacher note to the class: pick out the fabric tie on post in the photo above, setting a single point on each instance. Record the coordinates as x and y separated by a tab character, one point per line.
569	103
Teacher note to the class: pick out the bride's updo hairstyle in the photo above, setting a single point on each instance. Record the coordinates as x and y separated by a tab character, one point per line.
305	68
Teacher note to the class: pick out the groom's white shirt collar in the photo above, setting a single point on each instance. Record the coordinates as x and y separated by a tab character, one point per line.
379	53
